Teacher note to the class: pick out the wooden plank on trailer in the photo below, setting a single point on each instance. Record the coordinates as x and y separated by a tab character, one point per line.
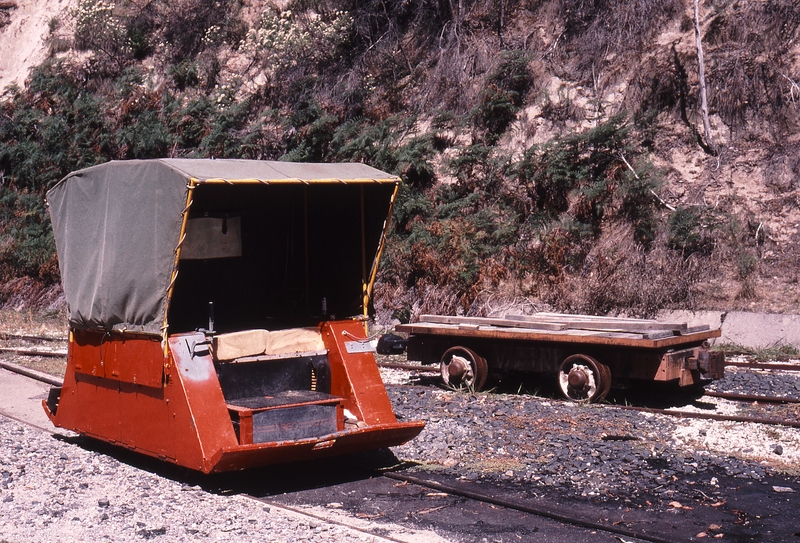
604	323
551	316
587	337
659	334
531	334
487	321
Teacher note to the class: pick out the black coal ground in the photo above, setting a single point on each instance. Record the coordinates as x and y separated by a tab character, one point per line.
595	459
758	382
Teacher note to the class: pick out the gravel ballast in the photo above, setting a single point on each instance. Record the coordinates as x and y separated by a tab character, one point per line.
55	489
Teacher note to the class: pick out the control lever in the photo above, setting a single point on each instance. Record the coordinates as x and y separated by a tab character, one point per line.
211	317
192	347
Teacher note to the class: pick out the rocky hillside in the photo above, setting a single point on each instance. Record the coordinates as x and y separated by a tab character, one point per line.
554	152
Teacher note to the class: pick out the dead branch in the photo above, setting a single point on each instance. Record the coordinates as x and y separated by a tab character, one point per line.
793	87
702	76
8	4
665	204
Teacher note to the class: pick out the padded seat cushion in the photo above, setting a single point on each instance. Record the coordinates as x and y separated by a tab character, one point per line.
263	342
240	344
294	340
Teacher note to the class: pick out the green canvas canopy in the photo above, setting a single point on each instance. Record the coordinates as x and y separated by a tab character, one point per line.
263	241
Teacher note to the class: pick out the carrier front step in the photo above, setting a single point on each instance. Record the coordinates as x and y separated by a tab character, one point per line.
287	415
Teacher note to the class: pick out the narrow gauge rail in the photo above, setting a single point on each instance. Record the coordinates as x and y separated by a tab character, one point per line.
427	369
32	374
455	489
764	366
525	508
466	494
424	369
412	367
33	352
750	397
6	336
725	395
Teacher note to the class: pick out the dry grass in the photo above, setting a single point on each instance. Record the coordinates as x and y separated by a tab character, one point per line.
47	323
619	275
749	42
51	324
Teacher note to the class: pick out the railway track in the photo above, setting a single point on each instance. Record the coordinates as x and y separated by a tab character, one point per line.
455	505
792	423
750	397
7	336
457	500
538	510
680	414
416	368
433	370
764	365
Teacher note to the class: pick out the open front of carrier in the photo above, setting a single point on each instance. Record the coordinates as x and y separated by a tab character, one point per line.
272	275
276	256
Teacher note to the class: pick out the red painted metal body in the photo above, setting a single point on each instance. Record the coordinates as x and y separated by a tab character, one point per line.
152	252
173	407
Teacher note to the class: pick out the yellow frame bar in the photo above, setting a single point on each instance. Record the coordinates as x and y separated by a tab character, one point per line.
181	237
295	181
374	271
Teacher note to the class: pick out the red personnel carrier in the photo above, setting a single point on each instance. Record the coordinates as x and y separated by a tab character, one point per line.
210	309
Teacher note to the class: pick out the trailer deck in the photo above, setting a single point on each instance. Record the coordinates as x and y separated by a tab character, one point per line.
588	354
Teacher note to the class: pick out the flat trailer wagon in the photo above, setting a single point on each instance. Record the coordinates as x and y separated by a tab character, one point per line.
587	355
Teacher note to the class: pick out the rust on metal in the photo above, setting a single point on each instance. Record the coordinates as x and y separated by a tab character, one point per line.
764	366
584	337
750	397
409	367
709	416
586	354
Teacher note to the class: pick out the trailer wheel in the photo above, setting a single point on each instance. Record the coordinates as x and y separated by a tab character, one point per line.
583	379
463	368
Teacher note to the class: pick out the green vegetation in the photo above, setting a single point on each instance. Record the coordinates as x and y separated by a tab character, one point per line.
781	352
434	92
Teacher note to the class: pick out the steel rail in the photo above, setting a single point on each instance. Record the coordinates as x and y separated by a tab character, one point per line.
410	367
32	374
7	336
764	366
325	519
750	397
677	414
707	416
30	352
524	508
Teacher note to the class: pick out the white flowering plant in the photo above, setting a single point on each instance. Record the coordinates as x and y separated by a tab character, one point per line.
284	38
98	27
